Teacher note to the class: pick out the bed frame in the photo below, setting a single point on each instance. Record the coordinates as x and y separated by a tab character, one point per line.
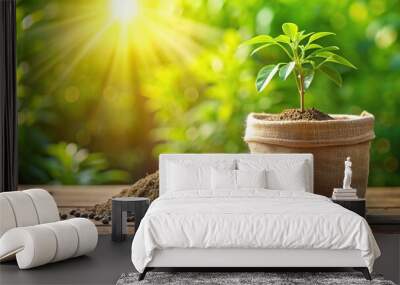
242	259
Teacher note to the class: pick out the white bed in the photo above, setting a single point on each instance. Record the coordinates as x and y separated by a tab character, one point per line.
248	227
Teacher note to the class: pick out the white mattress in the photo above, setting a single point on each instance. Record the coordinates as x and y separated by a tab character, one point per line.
254	219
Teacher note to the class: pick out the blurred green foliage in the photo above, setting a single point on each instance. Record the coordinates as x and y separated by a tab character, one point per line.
190	87
62	163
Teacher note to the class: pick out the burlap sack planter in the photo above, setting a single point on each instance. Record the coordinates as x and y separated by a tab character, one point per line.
329	141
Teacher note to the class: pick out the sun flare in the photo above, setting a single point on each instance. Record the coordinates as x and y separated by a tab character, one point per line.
124	10
130	36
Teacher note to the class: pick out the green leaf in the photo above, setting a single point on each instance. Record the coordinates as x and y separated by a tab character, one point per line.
329	48
290	29
319	35
259	40
282	39
332	74
340	60
285	70
332	57
303	36
312	46
324	54
265	75
308	77
260	48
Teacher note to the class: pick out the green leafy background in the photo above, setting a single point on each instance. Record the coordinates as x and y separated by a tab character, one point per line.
78	128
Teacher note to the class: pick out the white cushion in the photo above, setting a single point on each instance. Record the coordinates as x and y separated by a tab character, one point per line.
87	235
281	174
182	177
23	208
223	179
230	180
26	208
210	158
32	246
251	178
66	238
188	175
7	218
46	207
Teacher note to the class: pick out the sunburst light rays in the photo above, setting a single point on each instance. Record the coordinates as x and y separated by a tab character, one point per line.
143	35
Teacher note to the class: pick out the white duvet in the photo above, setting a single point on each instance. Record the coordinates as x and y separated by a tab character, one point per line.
250	219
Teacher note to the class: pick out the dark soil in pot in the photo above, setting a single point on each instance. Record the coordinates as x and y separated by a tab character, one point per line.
298	115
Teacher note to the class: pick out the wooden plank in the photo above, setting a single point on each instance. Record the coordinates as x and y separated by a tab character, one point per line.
88	195
380	200
383	197
79	195
384	211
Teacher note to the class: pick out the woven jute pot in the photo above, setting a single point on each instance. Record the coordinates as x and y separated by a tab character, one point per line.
329	141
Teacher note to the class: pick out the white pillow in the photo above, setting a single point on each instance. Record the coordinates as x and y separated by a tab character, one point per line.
281	174
183	178
226	179
193	175
223	179
251	178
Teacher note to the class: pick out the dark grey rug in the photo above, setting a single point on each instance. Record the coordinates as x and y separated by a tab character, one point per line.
268	278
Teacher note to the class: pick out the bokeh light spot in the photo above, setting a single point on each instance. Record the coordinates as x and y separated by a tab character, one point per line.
264	20
385	37
391	164
358	12
192	93
217	64
383	145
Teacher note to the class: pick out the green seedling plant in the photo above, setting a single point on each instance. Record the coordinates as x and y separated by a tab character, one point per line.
306	58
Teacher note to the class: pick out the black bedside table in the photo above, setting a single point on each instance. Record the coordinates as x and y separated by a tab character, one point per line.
355	205
121	206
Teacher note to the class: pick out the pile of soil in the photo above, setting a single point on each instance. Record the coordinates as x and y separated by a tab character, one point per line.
298	115
145	187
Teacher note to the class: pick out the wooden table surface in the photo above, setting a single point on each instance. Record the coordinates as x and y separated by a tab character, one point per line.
378	198
385	200
71	197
